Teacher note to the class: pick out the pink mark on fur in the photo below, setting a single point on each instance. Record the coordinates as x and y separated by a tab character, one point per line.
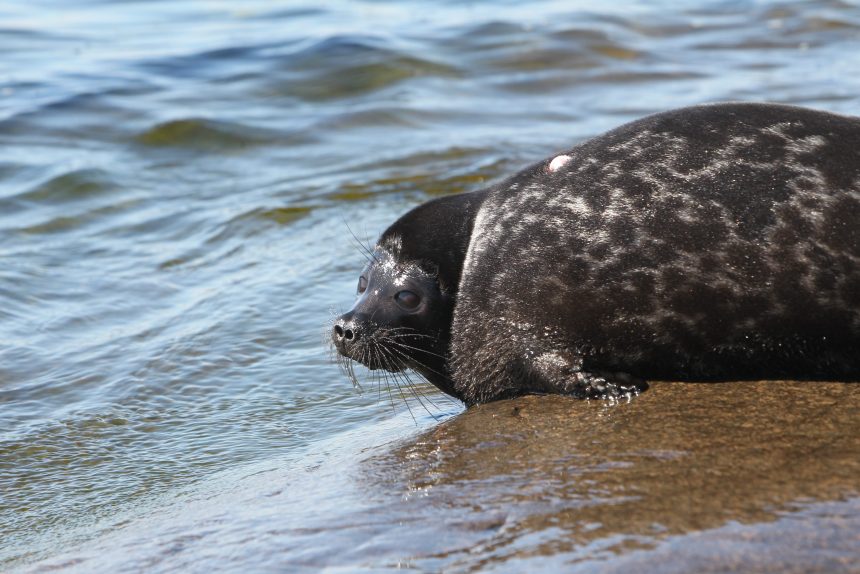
558	162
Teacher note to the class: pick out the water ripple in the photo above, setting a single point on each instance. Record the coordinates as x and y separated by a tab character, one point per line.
178	182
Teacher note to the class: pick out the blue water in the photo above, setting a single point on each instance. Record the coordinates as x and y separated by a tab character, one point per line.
177	185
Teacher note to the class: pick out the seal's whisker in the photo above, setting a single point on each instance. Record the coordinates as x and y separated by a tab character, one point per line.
383	357
406	402
420	390
374	376
401	375
390	373
371	249
420	364
390	395
414	348
407	332
346	366
400	359
352	374
387	376
446	396
419	394
411	336
378	390
365	250
407	329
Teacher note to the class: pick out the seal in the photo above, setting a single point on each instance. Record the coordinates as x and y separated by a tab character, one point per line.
715	242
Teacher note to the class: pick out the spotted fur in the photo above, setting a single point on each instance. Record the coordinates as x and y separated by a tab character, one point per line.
706	243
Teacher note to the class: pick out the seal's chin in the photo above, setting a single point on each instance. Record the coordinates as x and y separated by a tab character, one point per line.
376	366
377	363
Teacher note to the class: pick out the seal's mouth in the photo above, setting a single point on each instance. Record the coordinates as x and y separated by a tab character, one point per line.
376	362
378	367
389	352
372	354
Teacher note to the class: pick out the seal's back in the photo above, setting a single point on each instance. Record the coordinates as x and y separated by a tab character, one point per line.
712	242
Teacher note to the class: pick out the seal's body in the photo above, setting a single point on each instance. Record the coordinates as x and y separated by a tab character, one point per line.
706	243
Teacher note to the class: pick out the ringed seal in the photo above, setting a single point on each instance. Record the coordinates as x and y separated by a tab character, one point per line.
715	242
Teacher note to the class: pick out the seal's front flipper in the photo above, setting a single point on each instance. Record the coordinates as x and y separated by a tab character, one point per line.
607	385
561	372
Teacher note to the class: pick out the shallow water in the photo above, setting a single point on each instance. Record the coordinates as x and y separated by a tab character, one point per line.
176	183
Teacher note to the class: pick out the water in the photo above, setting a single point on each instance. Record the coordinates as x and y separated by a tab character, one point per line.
176	182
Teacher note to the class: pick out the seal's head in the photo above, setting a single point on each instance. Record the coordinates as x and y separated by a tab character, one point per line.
401	318
406	294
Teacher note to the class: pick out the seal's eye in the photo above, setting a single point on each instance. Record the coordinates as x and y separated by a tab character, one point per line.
362	284
407	299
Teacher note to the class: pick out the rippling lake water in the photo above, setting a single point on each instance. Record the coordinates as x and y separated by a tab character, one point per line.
177	185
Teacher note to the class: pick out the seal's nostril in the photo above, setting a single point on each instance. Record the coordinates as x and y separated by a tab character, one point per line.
338	330
348	334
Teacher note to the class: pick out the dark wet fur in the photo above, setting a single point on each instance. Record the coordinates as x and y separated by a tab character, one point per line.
715	242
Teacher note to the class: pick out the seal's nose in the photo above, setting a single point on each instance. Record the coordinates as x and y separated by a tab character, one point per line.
345	332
